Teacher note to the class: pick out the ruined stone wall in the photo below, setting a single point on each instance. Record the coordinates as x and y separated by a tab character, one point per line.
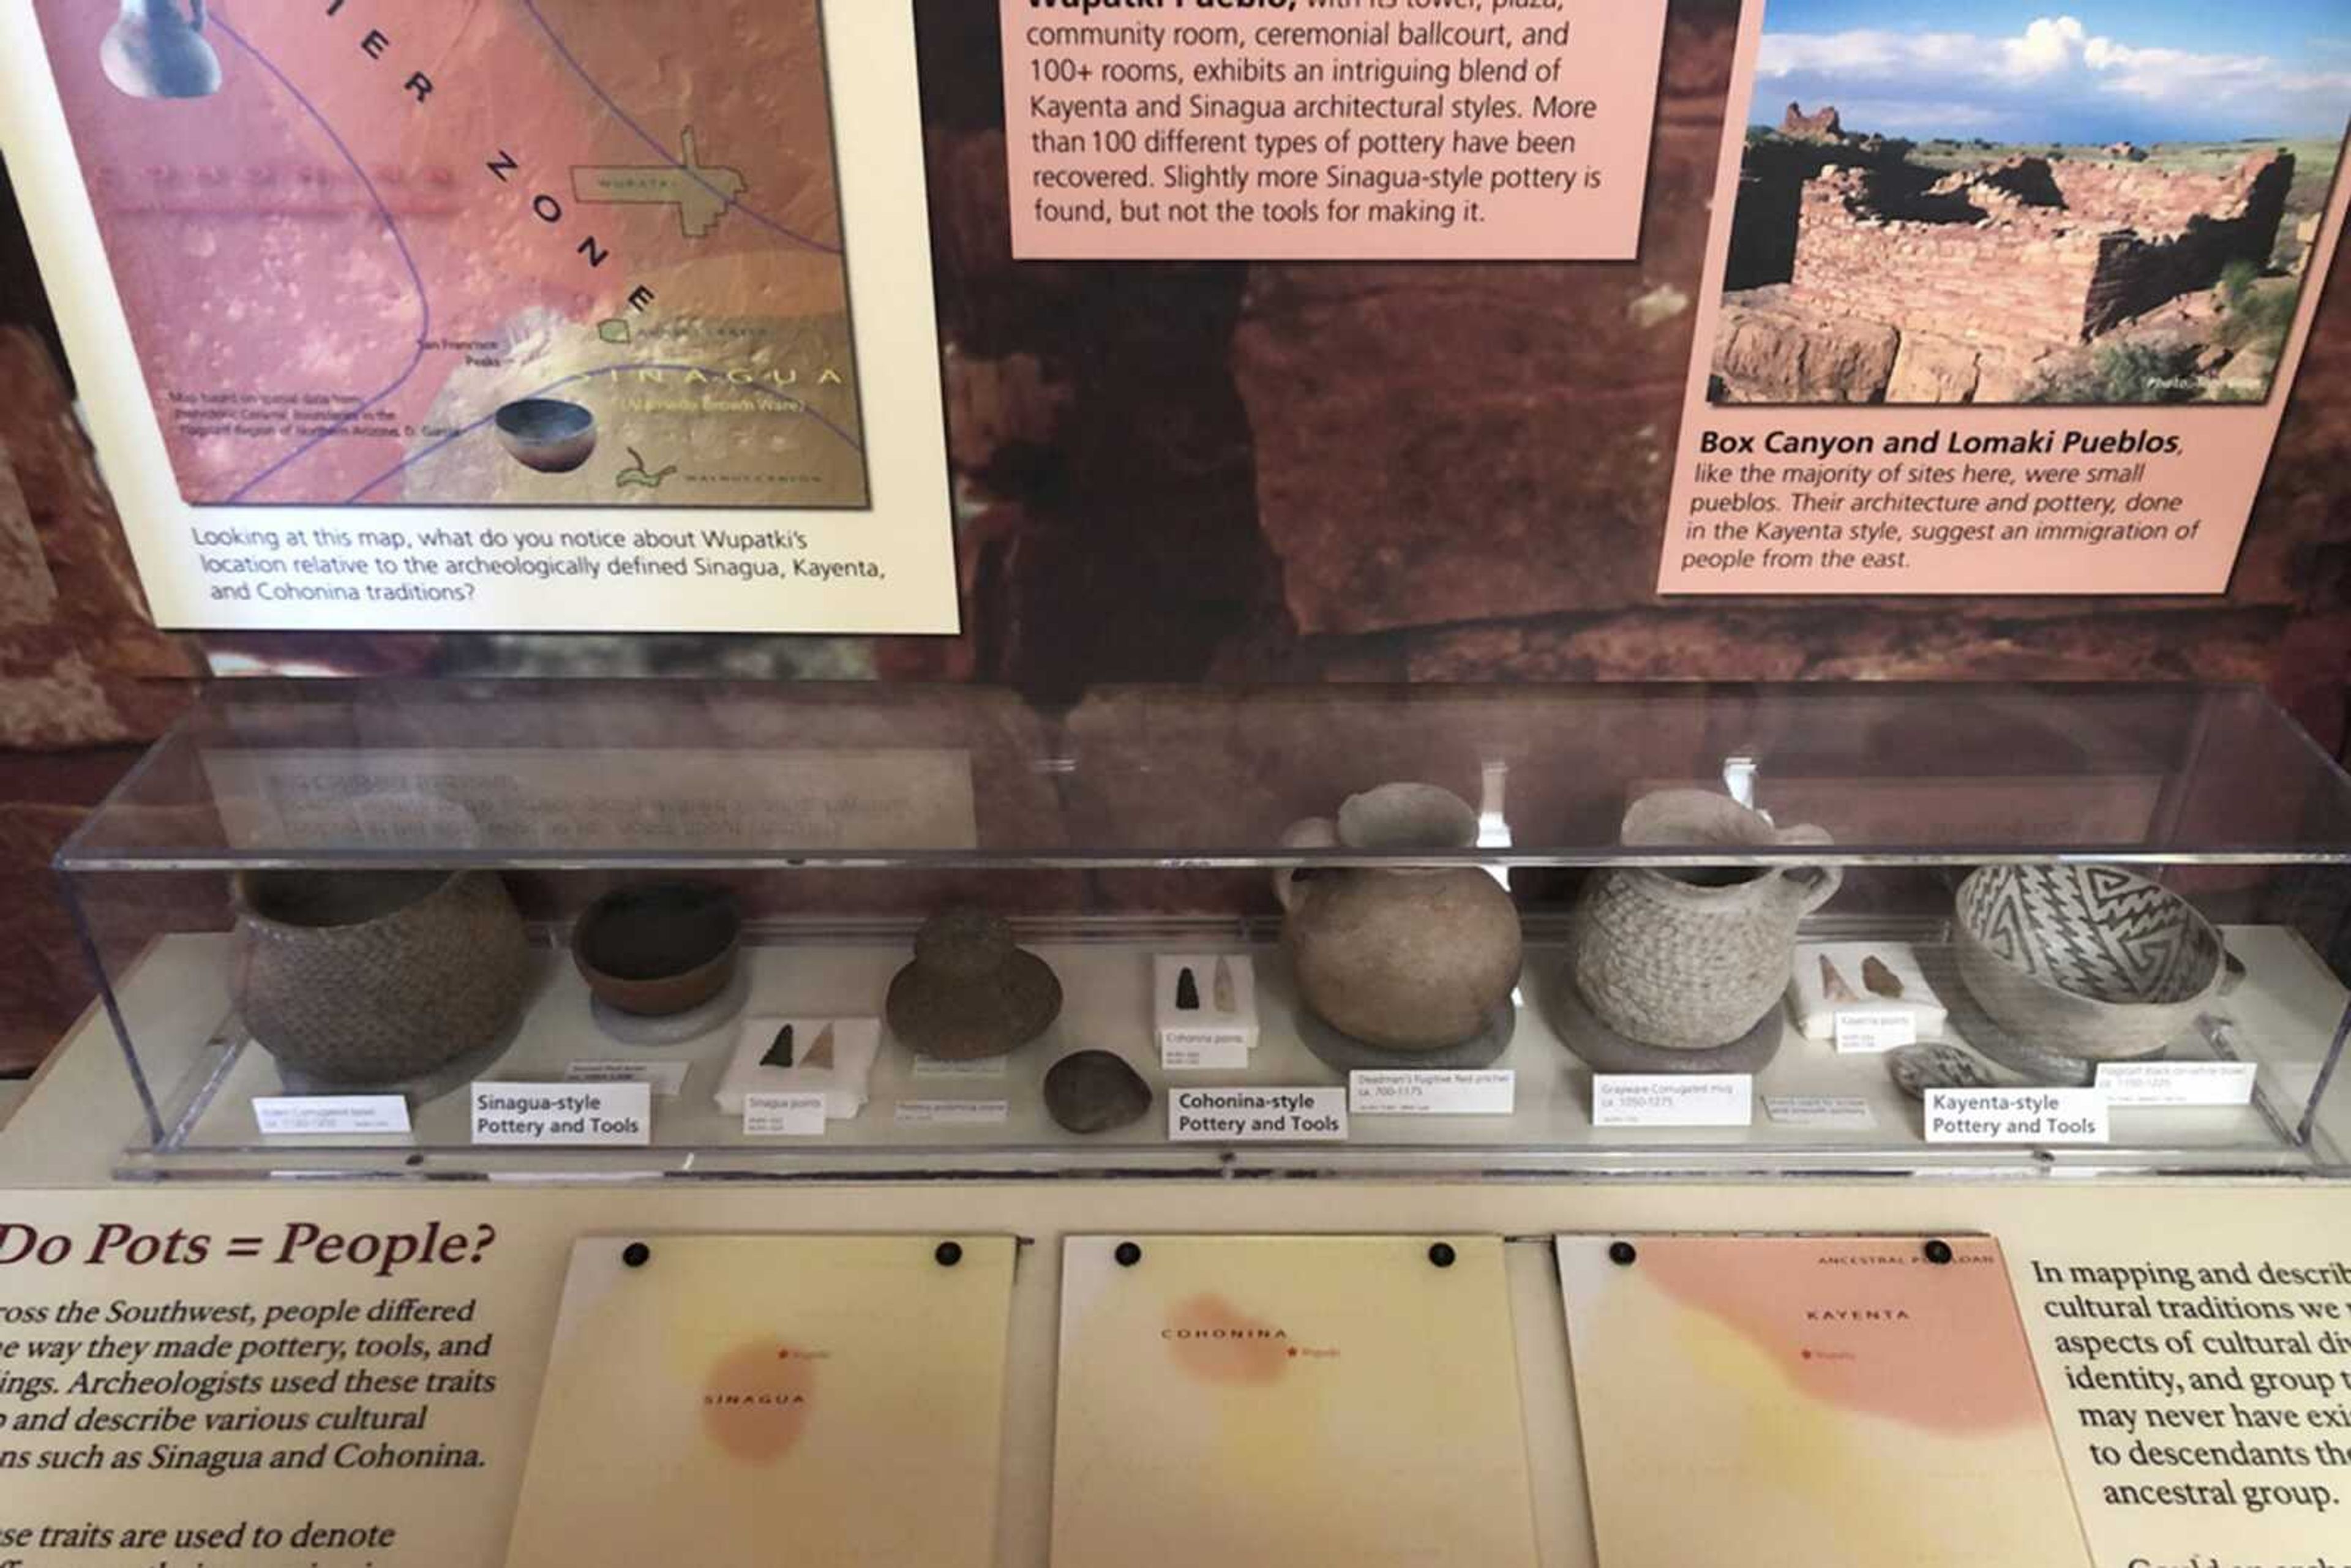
2011	284
2154	202
2024	276
2165	254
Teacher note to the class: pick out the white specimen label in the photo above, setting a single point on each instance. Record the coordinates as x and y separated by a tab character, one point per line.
951	1113
666	1077
1673	1099
1850	1112
1876	1029
2178	1083
798	1114
1384	1091
329	1116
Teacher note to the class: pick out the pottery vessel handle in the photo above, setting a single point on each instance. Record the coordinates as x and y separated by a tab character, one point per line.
196	15
1819	884
1313	833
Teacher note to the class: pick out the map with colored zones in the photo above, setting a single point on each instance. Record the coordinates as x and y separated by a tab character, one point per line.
476	252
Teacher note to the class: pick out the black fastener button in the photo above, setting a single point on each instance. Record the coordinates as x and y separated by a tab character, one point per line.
636	1254
1622	1253
949	1254
1128	1254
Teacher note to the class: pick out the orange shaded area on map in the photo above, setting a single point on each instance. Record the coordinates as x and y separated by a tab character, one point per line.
1867	1326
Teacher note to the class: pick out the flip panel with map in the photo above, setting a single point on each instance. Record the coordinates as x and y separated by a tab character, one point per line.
1272	1402
741	1401
476	252
1788	1401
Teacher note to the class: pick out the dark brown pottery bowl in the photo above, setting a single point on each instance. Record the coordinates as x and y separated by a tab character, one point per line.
658	948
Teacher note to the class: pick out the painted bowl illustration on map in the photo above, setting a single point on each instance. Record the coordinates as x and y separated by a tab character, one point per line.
546	434
153	51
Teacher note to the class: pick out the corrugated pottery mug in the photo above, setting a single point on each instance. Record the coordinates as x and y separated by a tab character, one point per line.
371	977
1405	959
1692	957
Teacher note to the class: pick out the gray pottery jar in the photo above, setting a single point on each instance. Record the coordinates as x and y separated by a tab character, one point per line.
373	978
1403	959
1693	957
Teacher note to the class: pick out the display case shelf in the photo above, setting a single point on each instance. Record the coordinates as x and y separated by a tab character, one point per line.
1139	822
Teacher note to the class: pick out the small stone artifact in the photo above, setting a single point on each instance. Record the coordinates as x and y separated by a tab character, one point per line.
780	1051
1918	1068
1095	1091
1834	985
373	977
969	992
1223	983
819	1055
1403	959
1881	980
1187	991
1691	958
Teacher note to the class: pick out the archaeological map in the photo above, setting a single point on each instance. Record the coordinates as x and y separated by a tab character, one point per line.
474	252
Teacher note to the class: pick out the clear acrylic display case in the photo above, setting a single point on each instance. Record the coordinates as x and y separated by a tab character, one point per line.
1132	823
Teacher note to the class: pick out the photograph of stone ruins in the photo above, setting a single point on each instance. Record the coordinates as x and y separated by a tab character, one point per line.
1877	268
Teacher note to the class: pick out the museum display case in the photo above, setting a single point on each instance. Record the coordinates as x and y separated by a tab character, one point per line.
891	931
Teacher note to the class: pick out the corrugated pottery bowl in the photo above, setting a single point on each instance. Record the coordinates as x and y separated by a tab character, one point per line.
2088	960
373	977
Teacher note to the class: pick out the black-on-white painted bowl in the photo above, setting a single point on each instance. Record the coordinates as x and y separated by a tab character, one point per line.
2089	960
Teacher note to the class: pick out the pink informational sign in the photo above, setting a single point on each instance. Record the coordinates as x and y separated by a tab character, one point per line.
2024	330
1483	131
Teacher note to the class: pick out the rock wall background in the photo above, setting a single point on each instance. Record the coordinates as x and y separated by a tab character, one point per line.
1219	473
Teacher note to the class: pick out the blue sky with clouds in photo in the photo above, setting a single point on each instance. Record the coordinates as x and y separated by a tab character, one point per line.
2152	71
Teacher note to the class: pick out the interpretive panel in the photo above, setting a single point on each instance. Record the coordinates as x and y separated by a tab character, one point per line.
570	288
248	1378
2012	308
1482	131
1267	1401
1829	1400
713	1398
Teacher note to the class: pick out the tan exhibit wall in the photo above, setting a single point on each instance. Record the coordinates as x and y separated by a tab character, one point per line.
2193	1345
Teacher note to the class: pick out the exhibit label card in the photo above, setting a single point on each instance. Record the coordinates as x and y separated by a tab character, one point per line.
329	1116
1841	1113
722	1395
575	1114
1673	1099
1462	1091
1253	1115
1269	1402
1997	304
2016	1116
2178	1083
1873	1030
489	316
1783	1402
797	1114
666	1078
1351	132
